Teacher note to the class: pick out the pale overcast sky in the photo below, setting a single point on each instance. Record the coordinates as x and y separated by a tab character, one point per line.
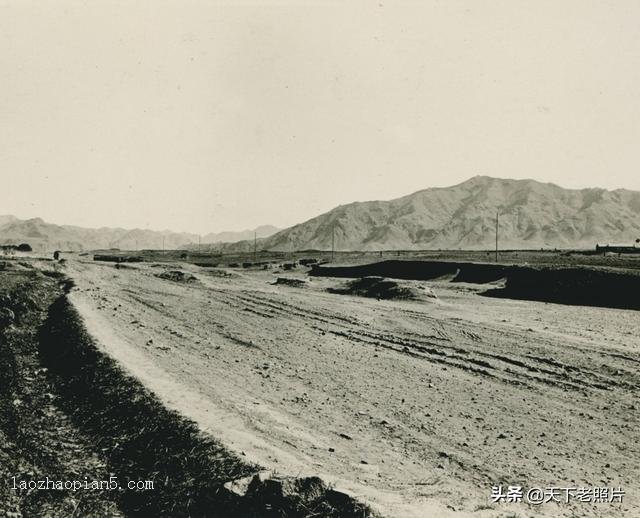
208	116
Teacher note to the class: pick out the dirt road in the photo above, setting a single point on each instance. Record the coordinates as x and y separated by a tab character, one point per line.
418	408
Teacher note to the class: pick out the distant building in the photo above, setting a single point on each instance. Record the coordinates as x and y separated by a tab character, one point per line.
620	248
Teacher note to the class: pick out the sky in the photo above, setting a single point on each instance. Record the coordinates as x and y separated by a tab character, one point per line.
210	116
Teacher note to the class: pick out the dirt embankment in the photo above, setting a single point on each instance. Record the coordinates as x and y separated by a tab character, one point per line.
290	281
37	438
177	276
577	286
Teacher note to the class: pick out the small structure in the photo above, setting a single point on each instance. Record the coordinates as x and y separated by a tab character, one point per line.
620	248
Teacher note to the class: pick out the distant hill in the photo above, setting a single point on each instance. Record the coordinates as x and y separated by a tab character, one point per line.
7	219
43	236
230	237
532	215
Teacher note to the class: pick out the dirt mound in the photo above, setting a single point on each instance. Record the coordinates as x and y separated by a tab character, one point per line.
216	272
259	264
307	497
288	281
177	276
381	288
120	266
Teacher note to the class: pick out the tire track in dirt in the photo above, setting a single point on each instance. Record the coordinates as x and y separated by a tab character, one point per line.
508	370
523	369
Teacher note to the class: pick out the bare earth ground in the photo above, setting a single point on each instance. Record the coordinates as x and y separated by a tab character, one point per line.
417	407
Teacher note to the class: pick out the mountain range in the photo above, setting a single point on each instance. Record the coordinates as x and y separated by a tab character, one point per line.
530	215
43	236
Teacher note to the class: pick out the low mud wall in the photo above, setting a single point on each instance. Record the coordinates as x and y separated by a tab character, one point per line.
141	439
578	286
481	273
118	258
409	270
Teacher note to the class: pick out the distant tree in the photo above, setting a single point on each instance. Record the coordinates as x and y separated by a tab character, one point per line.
25	247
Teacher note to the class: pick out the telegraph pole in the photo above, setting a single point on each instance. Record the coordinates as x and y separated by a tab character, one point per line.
255	245
497	223
163	244
333	241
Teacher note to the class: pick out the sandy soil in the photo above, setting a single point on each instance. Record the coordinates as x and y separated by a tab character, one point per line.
417	407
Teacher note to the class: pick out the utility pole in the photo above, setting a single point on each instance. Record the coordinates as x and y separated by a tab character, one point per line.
199	239
163	244
497	223
333	241
255	245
